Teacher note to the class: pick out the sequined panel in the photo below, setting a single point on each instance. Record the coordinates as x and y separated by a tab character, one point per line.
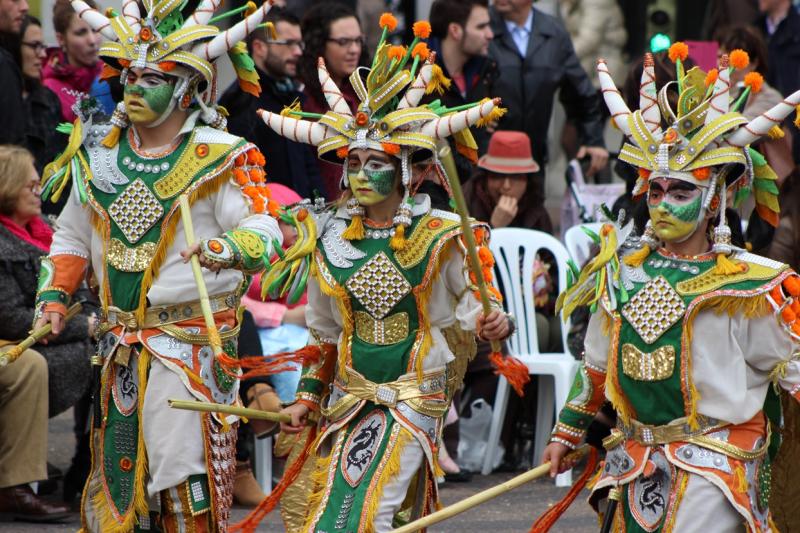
384	332
648	366
361	447
136	210
654	309
127	259
222	459
378	285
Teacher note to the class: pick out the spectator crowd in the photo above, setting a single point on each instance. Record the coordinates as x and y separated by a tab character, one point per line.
509	49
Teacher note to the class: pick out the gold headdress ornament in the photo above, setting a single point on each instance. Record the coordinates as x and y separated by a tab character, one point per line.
181	44
389	117
706	141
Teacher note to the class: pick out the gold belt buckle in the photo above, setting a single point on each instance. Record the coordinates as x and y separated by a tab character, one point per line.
386	395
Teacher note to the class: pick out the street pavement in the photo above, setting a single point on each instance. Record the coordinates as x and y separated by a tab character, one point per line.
513	512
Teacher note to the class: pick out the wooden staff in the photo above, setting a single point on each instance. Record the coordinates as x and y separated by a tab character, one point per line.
214	339
206	407
449	164
36	335
486	495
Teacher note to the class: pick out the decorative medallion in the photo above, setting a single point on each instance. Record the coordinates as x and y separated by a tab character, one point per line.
648	366
362	445
654	309
378	285
136	210
648	495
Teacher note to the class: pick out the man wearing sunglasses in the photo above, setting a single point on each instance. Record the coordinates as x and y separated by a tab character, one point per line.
276	55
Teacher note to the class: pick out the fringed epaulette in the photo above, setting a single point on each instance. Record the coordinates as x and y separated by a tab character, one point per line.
67	165
287	273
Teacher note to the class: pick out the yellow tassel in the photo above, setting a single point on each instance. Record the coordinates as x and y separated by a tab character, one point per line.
636	258
398	241
439	82
318	481
775	132
797	116
726	267
438	471
355	231
493	116
111	140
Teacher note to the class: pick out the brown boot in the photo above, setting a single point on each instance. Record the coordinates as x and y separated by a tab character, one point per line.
264	398
246	490
20	503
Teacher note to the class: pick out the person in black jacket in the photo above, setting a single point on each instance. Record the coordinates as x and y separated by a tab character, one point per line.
289	163
12	117
534	53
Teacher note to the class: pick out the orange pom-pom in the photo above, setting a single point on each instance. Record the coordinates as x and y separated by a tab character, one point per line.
702	173
241	177
488	275
788	315
754	80
421	50
388	21
711	77
739	59
678	50
645	173
473	278
254	157
167	66
792	285
777	295
494	292
422	29
257	175
391	148
240	160
485	256
396	52
342	152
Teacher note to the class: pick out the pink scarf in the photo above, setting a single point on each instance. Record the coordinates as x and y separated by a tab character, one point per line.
35	232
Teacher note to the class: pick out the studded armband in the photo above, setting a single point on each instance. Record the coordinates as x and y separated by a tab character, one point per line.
242	249
585	399
59	277
317	377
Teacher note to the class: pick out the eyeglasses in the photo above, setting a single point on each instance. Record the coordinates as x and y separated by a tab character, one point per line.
290	43
347	42
37	46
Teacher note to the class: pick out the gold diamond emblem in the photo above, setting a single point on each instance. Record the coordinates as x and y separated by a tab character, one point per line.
654	309
378	285
135	211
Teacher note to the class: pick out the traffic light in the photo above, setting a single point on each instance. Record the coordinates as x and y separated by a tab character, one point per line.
660	24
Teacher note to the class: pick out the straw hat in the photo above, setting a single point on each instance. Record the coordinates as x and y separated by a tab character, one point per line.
509	153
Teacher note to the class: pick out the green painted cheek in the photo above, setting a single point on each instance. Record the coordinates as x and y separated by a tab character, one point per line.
685	213
158	98
381	181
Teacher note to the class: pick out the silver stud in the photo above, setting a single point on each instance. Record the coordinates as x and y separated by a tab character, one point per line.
164	166
139	167
687	453
126	160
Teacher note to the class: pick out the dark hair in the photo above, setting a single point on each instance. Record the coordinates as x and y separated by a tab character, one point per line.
316	28
749	40
276	14
63	13
30	83
444	12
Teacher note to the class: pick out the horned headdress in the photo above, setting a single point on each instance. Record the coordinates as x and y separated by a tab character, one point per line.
389	116
170	39
705	141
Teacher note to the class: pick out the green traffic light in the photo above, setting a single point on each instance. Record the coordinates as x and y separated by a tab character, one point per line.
660	42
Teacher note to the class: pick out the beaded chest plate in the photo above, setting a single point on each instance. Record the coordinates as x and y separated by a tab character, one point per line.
654	309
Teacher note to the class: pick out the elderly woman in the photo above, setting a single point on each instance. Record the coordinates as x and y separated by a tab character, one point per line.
24	238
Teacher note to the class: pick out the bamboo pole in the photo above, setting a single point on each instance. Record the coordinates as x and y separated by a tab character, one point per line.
13	354
214	339
446	157
255	414
486	495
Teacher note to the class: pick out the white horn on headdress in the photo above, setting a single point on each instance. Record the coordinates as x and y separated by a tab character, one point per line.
96	20
331	91
616	105
720	102
648	100
226	40
299	130
759	126
416	90
205	10
130	10
447	125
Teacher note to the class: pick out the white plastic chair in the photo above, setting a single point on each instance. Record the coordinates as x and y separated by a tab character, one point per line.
263	469
514	250
578	243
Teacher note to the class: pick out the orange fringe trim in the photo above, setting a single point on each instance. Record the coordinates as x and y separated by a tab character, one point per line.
512	369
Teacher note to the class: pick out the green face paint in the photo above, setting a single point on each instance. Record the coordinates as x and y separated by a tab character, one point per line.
146	104
685	213
371	186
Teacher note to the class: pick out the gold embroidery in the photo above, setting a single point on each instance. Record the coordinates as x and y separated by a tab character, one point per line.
648	366
250	243
416	248
384	332
127	259
710	281
378	285
654	309
135	211
186	168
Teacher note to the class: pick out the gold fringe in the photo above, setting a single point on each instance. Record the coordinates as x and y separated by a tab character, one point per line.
398	241
108	522
439	82
339	295
612	387
112	139
726	267
168	229
318	481
775	132
390	471
636	258
355	231
740	479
